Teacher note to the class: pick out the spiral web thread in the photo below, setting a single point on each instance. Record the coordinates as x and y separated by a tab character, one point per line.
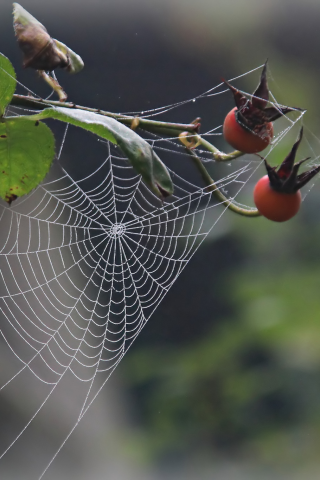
84	263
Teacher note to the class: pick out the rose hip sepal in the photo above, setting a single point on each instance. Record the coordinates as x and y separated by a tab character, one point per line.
248	127
286	178
277	195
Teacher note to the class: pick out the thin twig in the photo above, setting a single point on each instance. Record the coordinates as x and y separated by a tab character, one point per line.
217	155
161	128
212	187
153	126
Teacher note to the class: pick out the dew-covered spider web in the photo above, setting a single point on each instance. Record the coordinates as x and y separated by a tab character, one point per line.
88	256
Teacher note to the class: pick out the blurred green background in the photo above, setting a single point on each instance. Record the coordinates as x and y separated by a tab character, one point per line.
224	381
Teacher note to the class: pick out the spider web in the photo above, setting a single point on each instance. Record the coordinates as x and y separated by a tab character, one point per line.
86	260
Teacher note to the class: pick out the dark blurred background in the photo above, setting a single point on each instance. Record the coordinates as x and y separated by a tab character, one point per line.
224	381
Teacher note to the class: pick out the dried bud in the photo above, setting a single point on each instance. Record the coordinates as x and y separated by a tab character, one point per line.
40	50
285	178
75	62
254	114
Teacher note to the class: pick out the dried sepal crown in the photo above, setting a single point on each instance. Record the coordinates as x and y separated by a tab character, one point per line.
285	178
254	112
40	51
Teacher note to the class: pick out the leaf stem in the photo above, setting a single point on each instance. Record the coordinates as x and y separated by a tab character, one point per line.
54	84
161	128
154	126
212	187
217	155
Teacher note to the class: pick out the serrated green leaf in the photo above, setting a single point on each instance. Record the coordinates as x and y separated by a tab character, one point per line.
7	82
144	160
26	153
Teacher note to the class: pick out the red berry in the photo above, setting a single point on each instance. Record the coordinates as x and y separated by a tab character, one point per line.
243	139
274	205
248	127
277	195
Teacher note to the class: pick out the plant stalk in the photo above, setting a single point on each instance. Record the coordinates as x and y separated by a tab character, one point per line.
161	128
212	187
154	126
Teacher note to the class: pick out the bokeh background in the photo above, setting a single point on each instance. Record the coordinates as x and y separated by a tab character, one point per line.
224	381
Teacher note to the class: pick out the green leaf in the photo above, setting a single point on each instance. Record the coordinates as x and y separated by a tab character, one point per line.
26	153
7	82
144	160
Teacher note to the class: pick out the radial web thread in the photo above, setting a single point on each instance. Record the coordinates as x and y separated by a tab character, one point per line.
84	263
